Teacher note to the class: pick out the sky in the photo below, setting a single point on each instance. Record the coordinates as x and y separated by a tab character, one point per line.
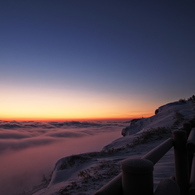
87	59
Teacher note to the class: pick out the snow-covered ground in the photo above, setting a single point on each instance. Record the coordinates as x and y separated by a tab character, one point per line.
84	174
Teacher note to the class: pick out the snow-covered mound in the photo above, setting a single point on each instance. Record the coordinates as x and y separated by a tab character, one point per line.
170	115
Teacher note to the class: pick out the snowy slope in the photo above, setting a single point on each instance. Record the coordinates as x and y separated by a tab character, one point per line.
169	115
85	173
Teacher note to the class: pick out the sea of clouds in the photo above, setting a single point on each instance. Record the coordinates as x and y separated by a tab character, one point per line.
29	149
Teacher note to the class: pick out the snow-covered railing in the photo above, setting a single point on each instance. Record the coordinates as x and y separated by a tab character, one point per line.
137	174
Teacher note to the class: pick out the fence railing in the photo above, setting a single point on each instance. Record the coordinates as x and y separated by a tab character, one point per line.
136	177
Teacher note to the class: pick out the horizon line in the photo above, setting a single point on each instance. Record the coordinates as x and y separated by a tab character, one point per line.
73	119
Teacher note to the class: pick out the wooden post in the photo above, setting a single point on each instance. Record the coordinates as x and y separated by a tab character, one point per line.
192	178
181	161
187	127
191	147
137	177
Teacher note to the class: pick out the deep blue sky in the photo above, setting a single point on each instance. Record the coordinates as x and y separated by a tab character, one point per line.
128	55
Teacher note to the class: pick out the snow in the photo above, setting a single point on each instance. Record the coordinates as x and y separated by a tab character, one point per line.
166	117
84	174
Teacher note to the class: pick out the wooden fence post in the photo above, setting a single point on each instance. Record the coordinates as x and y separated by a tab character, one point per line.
191	147
181	161
192	178
137	177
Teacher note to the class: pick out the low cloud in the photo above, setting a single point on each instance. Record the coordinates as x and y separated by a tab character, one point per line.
51	124
13	135
16	135
62	134
30	149
7	145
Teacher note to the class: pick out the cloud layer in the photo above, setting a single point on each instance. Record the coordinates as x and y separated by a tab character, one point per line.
16	135
30	149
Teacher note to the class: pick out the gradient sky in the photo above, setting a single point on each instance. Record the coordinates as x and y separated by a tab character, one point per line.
65	59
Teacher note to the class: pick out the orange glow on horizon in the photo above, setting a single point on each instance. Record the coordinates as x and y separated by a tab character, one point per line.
74	118
46	105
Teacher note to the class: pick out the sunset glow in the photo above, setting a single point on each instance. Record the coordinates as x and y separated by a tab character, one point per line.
28	104
90	59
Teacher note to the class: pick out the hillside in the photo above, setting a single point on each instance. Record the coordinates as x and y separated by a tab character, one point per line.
170	115
85	173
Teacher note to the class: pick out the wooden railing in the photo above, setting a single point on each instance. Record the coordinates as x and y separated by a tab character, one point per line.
137	174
